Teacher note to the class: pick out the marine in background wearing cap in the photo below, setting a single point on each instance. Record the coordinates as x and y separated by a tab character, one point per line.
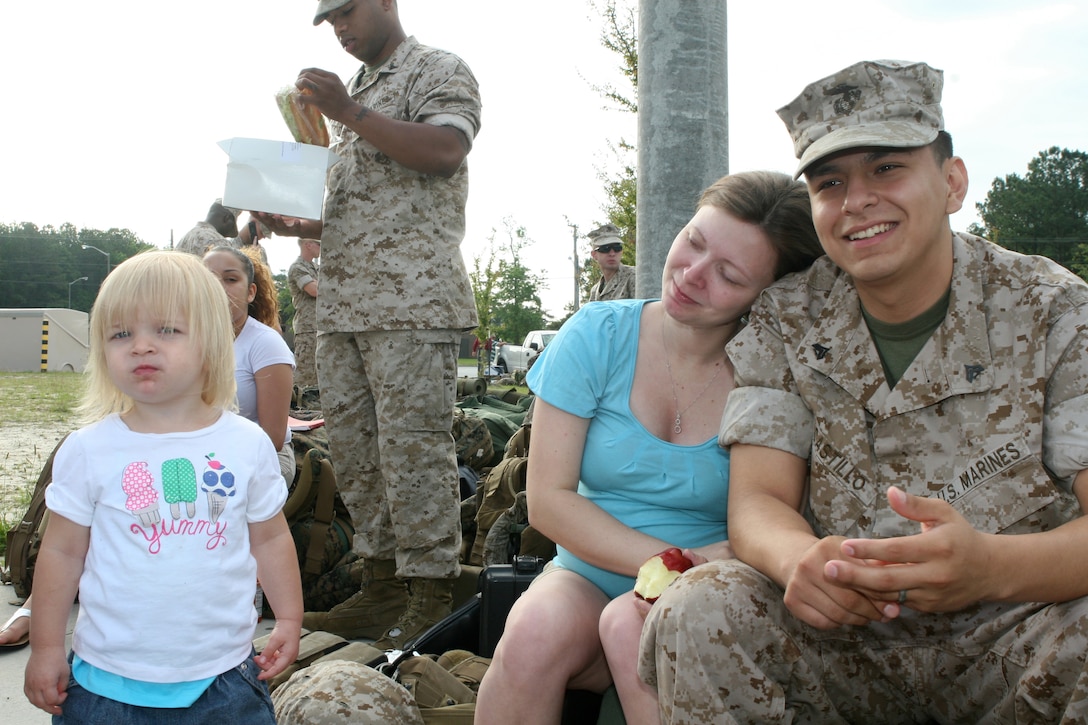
934	388
617	280
218	227
394	288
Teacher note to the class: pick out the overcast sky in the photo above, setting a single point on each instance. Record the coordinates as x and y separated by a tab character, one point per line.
113	108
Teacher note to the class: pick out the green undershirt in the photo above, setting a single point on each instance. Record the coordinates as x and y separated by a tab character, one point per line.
898	344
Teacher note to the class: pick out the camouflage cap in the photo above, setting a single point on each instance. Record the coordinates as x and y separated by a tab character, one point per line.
339	691
324	7
872	103
604	234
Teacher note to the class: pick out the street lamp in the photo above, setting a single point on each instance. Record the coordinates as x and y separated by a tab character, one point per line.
81	279
88	246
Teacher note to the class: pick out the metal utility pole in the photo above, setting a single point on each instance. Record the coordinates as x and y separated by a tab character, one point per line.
683	122
577	273
108	267
81	279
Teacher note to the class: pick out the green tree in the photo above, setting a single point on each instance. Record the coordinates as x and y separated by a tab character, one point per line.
1043	212
507	293
620	36
484	282
283	297
39	266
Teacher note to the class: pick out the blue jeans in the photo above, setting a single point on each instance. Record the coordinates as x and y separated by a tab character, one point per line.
236	697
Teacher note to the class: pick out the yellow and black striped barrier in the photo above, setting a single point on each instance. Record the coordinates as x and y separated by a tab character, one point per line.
45	344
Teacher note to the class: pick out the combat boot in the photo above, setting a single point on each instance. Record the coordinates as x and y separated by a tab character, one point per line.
429	602
370	612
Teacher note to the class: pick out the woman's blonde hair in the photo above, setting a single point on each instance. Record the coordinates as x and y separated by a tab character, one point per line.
161	284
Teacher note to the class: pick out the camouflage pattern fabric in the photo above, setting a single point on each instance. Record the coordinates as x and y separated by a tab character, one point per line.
473	440
744	658
395	297
389	427
343	579
336	692
620	287
390	242
305	358
503	540
494	495
511	535
306	402
502	418
201	238
334	580
304	323
989	417
885	103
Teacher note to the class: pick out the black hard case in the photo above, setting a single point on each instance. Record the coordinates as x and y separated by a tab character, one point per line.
477	624
500	586
484	617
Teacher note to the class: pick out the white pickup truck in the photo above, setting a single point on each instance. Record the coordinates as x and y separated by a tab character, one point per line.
516	357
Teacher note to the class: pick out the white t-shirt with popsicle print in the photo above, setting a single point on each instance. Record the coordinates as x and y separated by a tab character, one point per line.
167	588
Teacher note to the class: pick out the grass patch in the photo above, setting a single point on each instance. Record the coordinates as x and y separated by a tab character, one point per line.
42	397
41	408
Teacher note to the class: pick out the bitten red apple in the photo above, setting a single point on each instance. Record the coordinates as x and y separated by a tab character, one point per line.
659	571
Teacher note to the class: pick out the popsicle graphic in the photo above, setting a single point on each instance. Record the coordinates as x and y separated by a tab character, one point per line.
179	486
142	501
218	485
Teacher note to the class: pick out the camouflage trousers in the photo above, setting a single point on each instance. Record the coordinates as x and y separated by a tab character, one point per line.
305	359
721	647
387	398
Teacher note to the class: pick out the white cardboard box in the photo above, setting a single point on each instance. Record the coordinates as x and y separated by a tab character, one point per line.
278	177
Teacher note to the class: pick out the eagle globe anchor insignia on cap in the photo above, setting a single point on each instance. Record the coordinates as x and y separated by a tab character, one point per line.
882	103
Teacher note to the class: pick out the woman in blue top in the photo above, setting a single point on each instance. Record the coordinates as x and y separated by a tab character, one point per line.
624	460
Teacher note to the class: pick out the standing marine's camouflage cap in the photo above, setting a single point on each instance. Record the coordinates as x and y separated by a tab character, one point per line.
872	103
338	691
324	7
605	234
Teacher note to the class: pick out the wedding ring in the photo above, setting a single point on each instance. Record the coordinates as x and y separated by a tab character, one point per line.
902	596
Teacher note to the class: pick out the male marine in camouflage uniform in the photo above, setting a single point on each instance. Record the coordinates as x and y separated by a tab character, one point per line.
395	299
934	387
302	281
617	280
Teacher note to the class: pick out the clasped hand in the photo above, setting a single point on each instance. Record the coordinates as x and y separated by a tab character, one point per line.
945	567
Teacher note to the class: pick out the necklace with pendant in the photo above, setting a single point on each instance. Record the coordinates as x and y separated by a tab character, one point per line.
675	400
